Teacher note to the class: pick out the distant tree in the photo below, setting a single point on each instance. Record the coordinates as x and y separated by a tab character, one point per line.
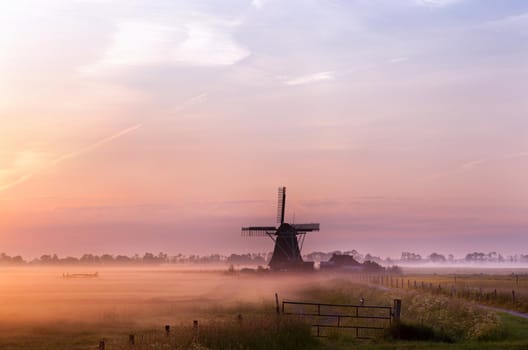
89	259
8	260
106	259
437	258
408	256
123	259
476	256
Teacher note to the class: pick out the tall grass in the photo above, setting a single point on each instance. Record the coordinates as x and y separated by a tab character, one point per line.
450	318
493	290
261	332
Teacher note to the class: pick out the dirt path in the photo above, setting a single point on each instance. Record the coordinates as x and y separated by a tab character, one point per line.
506	311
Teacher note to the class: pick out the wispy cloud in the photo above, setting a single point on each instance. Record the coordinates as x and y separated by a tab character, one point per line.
474	164
310	78
398	59
26	177
197	40
516	155
435	3
16	182
258	3
193	101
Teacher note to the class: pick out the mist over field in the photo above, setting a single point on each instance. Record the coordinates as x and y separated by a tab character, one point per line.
141	295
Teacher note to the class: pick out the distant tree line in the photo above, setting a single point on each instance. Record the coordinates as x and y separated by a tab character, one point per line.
146	259
257	259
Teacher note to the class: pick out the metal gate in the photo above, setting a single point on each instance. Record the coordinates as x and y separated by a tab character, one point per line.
367	321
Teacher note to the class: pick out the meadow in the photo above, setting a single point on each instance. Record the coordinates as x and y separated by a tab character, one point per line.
42	310
496	287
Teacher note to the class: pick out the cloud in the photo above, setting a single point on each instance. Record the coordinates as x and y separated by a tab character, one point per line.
26	177
311	78
435	3
516	155
398	59
258	3
472	164
197	40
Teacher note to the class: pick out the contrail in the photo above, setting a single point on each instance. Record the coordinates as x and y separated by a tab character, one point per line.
195	100
93	145
18	181
24	178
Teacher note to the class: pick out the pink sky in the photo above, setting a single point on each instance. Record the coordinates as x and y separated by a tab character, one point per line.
398	125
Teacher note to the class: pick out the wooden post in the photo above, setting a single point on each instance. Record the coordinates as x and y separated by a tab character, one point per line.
195	324
513	296
397	310
167	330
102	345
277	303
131	339
239	318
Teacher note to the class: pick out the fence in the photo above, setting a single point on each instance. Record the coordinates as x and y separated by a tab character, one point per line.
485	293
367	321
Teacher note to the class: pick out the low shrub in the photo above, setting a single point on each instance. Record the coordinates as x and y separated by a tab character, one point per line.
413	331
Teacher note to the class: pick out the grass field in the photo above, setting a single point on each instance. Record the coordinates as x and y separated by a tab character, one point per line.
494	288
41	310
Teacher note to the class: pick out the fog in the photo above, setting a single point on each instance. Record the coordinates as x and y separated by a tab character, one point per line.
37	295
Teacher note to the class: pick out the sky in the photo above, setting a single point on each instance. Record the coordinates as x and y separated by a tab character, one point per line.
138	125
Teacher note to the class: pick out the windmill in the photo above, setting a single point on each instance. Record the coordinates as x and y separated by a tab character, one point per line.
288	238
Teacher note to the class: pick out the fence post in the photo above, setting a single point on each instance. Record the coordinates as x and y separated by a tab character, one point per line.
277	303
513	296
131	339
397	310
167	330
102	345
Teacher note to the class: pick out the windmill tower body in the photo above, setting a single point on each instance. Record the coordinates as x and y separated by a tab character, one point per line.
287	237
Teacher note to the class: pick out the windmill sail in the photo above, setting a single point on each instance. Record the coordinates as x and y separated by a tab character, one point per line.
281	205
258	231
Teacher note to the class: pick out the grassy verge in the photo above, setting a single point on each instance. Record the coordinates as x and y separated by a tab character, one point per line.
258	332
